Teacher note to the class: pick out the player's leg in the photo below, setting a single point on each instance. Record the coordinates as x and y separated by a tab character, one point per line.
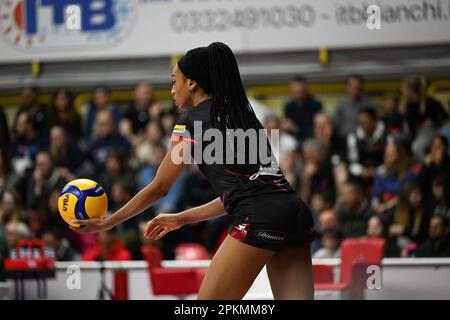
233	270
290	273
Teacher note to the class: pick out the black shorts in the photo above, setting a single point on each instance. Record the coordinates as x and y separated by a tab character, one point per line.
272	221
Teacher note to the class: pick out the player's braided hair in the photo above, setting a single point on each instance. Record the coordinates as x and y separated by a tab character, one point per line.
230	106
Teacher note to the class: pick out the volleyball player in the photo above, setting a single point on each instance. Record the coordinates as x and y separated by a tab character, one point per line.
271	225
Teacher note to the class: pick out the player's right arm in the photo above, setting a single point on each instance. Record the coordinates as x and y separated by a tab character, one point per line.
168	172
163	223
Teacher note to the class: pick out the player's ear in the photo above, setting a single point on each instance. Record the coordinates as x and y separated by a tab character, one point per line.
192	86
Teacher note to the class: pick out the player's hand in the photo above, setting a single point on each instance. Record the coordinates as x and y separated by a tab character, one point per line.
162	224
90	225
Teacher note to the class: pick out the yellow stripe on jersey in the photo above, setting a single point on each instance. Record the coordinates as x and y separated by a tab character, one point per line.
179	128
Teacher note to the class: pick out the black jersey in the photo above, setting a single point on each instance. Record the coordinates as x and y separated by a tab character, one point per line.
232	181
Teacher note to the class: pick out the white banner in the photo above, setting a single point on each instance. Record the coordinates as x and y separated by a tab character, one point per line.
44	29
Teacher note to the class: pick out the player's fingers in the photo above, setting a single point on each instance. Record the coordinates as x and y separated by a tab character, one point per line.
80	229
150	225
154	232
82	221
161	234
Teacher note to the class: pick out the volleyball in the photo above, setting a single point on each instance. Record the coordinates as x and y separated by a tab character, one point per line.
82	199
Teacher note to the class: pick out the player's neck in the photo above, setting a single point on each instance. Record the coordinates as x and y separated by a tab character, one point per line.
196	100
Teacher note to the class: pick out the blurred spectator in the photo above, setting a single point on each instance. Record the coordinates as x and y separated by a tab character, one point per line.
377	229
15	231
37	113
116	170
394	122
4	131
8	179
421	111
325	133
53	240
353	211
390	178
65	153
65	114
331	245
437	163
108	248
346	114
155	134
321	201
11	208
299	112
440	205
365	146
283	147
108	139
101	102
122	192
327	220
437	244
47	217
136	117
26	143
316	172
44	179
411	218
171	202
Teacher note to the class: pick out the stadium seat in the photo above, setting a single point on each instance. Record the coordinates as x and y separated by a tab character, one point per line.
174	281
356	256
323	274
191	251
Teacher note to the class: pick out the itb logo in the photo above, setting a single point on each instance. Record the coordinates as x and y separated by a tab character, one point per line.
51	23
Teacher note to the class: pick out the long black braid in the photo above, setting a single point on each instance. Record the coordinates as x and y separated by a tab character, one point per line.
230	107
